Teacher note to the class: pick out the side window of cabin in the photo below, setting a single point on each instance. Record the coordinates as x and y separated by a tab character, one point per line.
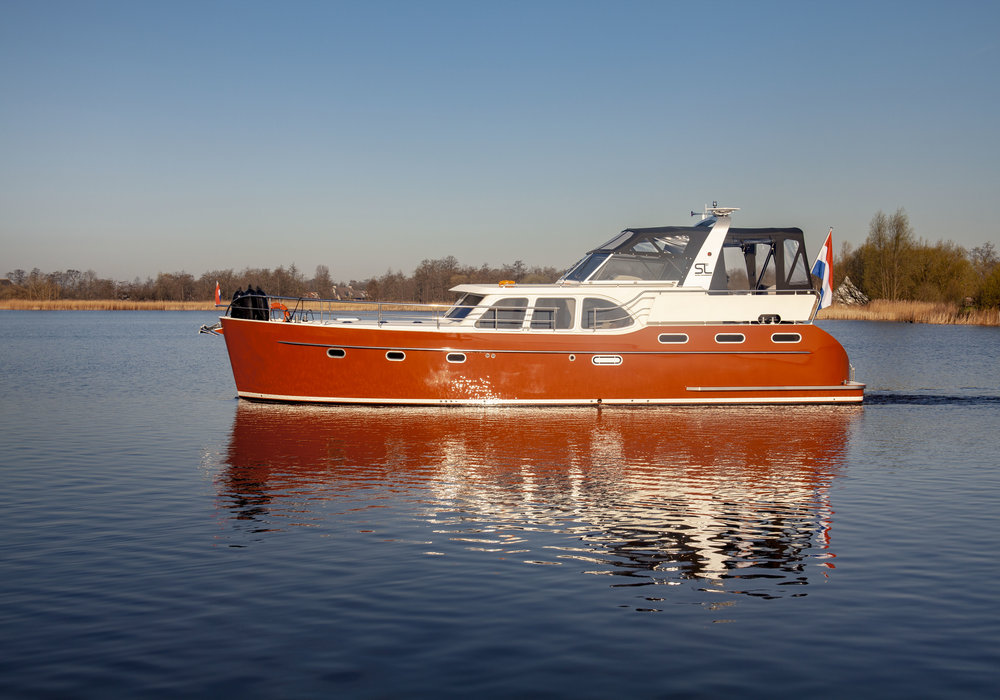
764	255
735	266
796	266
553	314
601	313
505	314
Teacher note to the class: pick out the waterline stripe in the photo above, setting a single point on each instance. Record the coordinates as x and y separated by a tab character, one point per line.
548	402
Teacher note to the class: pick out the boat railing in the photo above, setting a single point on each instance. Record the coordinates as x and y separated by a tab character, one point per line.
758	292
346	311
307	309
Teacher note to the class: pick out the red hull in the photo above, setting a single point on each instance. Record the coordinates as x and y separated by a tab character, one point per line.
290	362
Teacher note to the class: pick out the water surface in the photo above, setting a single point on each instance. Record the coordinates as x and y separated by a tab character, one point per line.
164	538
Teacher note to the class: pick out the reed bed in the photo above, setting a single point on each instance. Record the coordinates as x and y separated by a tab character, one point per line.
127	305
103	305
913	312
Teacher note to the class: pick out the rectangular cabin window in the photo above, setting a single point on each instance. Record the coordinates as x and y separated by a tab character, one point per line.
603	313
505	314
553	314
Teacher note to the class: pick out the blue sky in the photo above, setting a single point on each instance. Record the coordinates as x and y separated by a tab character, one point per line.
145	137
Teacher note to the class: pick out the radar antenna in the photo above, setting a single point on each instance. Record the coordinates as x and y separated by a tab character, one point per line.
715	211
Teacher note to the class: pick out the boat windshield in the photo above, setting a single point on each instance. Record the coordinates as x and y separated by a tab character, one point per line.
662	254
750	259
585	268
464	305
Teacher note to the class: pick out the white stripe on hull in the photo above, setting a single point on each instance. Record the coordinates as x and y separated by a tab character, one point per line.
743	400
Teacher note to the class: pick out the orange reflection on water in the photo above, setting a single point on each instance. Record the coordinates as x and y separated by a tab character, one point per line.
657	495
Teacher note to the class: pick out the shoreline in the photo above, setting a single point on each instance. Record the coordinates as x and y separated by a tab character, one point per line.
933	313
877	310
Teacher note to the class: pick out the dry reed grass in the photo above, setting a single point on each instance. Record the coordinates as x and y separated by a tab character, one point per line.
913	312
103	305
126	305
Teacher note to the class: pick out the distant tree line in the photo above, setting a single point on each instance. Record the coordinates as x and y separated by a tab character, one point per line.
429	283
890	264
173	286
893	264
432	279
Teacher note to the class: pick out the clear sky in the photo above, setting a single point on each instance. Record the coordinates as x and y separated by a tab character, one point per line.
145	137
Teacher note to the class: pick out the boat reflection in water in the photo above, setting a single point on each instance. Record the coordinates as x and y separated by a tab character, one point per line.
736	498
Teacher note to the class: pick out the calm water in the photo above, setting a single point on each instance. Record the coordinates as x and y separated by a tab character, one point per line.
164	539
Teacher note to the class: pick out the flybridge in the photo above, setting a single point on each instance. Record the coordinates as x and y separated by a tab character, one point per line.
710	256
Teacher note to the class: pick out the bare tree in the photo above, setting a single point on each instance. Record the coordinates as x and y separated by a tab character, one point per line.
984	259
322	284
887	255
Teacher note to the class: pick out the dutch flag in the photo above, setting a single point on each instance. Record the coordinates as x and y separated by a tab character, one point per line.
823	268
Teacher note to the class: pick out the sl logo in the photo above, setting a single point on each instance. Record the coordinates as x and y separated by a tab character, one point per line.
701	269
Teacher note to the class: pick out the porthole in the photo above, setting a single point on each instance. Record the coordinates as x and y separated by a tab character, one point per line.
335	352
395	355
786	338
729	338
672	338
606	359
455	357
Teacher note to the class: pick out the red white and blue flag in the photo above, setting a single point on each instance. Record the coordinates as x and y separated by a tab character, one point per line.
823	268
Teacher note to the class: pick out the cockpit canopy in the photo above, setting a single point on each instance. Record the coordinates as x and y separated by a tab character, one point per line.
751	258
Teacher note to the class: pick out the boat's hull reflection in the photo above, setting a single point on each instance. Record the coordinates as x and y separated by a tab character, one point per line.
655	495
